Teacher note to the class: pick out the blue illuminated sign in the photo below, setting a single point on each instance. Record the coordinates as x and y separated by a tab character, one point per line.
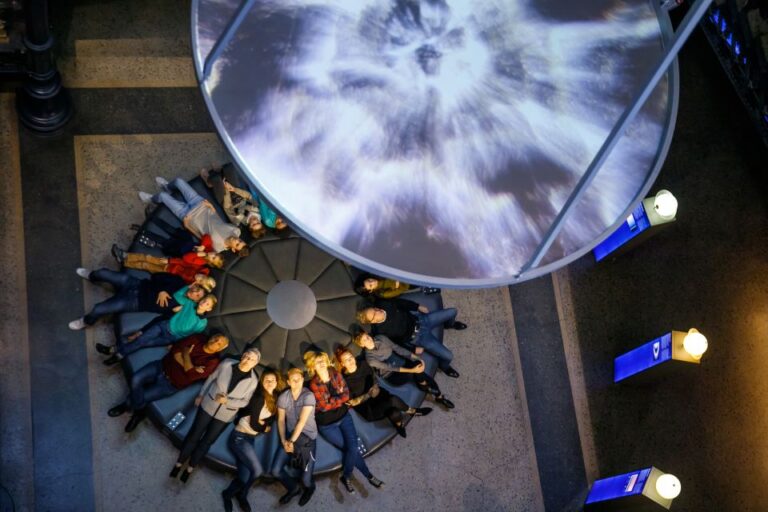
629	484
636	223
643	357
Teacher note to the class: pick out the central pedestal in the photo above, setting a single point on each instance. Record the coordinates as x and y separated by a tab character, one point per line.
291	304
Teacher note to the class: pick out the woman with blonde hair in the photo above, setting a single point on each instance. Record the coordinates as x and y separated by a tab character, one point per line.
255	418
333	418
371	401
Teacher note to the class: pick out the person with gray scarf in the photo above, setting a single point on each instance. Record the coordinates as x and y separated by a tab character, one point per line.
228	389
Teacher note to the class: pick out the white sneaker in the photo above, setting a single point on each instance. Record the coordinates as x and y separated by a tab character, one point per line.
161	182
83	272
77	325
145	197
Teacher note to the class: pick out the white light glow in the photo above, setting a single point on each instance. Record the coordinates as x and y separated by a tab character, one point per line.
668	486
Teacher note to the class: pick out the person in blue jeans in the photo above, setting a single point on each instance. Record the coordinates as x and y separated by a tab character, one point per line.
297	429
255	418
333	418
410	325
132	294
198	215
185	322
190	360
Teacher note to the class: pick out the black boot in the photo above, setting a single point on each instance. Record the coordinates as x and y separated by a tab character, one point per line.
444	402
242	500
118	410
137	417
227	498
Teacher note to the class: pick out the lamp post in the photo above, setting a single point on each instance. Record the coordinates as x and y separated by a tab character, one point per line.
42	102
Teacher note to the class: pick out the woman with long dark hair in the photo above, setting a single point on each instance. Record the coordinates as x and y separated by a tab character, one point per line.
255	418
371	401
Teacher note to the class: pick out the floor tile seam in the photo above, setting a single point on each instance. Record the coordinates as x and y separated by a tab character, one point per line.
143	120
514	348
144	137
574	363
93	378
14	183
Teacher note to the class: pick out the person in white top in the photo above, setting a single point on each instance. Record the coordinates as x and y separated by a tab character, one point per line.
198	215
255	418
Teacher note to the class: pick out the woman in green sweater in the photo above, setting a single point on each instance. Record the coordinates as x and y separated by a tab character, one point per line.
187	320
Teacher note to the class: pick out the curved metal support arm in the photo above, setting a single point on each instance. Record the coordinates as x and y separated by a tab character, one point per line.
690	22
226	36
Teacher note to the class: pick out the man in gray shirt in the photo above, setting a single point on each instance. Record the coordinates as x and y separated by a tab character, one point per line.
298	432
198	215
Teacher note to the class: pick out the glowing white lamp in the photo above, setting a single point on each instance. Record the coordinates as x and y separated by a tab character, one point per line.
665	204
695	344
668	486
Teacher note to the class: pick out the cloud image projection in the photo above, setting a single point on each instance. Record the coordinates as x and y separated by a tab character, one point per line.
436	137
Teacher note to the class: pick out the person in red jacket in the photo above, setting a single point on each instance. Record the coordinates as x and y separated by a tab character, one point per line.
186	267
190	360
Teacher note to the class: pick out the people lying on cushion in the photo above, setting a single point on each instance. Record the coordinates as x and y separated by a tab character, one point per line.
398	365
227	390
198	215
333	418
409	324
237	203
255	418
369	284
370	400
294	462
173	241
132	295
186	320
191	359
189	265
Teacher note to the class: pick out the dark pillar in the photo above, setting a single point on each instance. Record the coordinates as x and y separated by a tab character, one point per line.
43	104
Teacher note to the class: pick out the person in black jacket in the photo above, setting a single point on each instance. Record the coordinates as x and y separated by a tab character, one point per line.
410	325
153	295
370	400
254	419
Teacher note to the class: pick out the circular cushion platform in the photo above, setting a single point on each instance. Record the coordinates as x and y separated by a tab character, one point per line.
286	297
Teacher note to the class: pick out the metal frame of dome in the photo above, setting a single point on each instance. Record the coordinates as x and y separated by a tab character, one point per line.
667	65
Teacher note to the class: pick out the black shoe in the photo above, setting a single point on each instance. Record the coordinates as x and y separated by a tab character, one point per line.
174	472
347	485
185	475
112	360
118	410
451	372
285	498
107	350
444	402
149	210
422	411
306	496
242	501
134	421
458	326
401	431
227	501
375	482
118	254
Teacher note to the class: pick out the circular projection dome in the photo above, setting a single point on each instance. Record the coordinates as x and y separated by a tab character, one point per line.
436	140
